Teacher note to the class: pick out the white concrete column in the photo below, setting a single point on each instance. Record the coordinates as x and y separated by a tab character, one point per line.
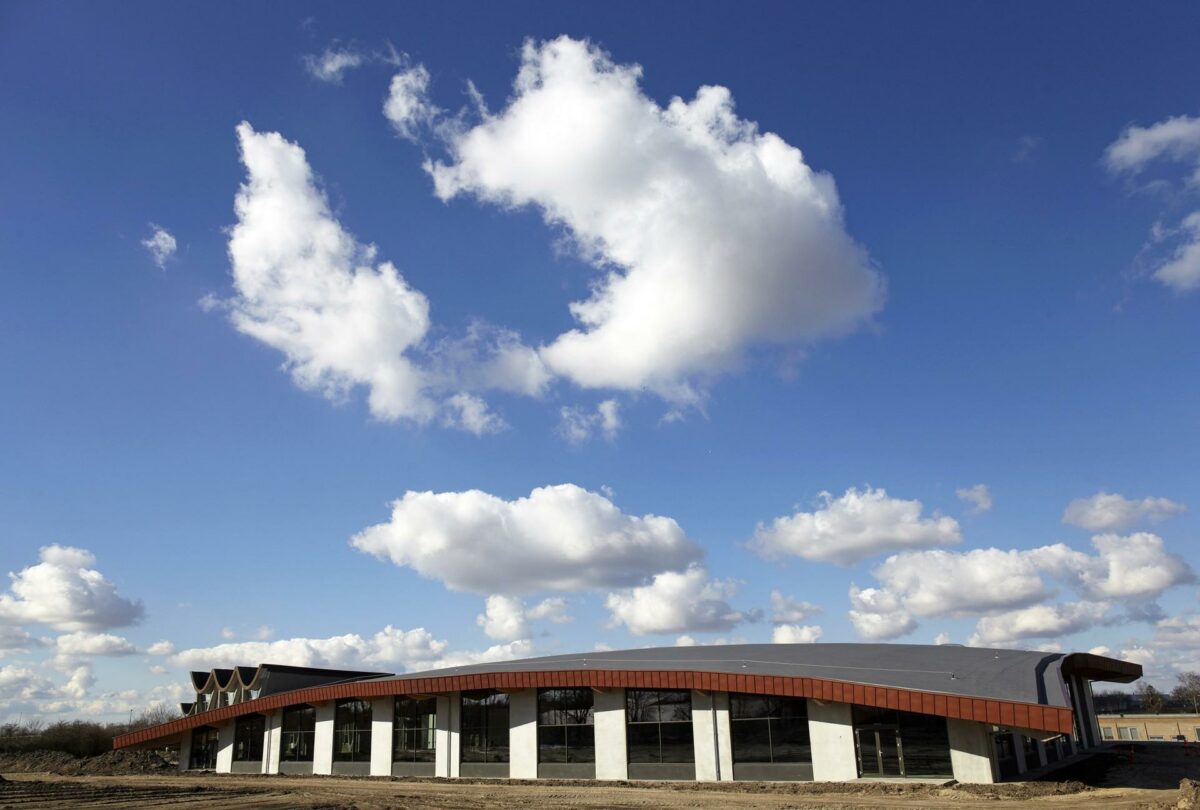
273	739
383	710
972	755
714	759
225	747
608	711
1043	760
185	750
522	735
831	731
449	709
724	735
1019	749
323	739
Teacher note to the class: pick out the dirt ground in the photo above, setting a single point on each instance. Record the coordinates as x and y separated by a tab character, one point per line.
1143	776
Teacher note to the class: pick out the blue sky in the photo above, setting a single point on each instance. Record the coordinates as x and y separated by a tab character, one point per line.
1017	308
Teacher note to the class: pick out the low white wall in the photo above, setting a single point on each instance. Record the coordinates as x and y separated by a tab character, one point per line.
323	739
522	735
272	738
612	761
971	751
225	748
382	711
831	731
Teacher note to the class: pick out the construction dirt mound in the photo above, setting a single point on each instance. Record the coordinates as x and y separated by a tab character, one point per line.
1189	795
110	763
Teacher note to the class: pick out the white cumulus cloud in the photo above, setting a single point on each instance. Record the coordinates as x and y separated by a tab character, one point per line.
83	644
559	538
507	618
676	602
878	615
65	591
161	245
308	288
796	634
992	581
857	525
711	236
390	649
1174	140
1038	621
1105	512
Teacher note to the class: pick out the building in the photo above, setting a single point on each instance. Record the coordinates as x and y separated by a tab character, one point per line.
824	712
1150	727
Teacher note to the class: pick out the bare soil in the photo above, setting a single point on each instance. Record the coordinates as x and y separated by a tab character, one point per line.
1146	777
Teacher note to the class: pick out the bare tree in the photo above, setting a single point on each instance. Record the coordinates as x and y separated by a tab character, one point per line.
1188	690
1151	699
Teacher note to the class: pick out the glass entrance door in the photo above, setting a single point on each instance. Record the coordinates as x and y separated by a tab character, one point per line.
879	753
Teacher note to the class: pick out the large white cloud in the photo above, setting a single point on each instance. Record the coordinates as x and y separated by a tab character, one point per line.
559	538
308	288
390	649
711	236
85	645
1038	621
1106	512
992	581
1172	140
66	592
676	602
857	525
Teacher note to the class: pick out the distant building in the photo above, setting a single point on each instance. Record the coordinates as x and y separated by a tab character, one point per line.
1150	727
824	712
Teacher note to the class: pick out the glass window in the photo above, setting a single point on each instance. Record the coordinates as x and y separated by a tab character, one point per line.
483	727
299	728
769	729
204	748
413	730
1127	732
1106	733
923	741
659	725
565	732
248	738
352	731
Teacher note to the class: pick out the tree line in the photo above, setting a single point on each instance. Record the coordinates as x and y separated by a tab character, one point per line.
82	738
1184	698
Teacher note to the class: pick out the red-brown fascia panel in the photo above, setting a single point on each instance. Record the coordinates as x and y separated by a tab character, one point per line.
998	712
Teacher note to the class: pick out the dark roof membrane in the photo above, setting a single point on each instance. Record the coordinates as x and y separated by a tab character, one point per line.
1017	675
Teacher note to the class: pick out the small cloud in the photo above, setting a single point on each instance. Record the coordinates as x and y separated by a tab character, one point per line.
941	639
577	425
977	497
227	633
264	633
161	245
330	65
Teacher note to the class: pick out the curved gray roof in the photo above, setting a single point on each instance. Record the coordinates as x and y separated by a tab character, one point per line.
1018	675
